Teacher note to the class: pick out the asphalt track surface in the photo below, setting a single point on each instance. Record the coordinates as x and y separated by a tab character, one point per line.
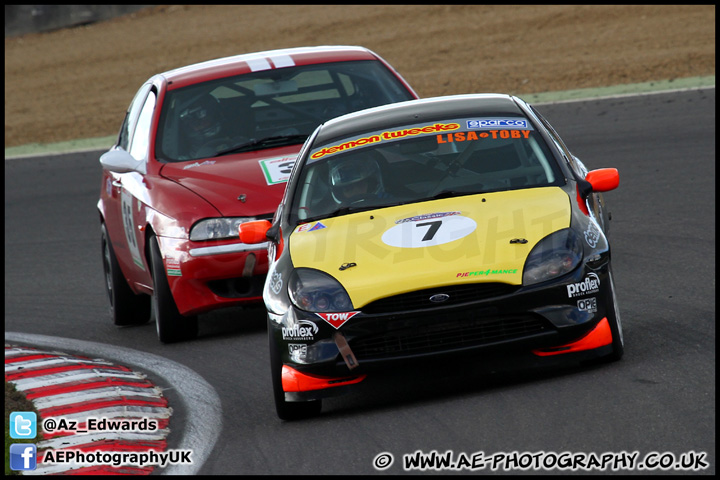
659	399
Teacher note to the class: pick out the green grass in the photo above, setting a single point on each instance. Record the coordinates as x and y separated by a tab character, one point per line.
16	401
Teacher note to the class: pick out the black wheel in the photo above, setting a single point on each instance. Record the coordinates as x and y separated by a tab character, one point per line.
287	410
171	325
126	308
618	343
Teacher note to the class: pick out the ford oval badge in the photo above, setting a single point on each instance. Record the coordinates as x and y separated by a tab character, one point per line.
439	298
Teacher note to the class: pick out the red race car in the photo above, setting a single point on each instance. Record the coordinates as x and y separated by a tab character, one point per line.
207	147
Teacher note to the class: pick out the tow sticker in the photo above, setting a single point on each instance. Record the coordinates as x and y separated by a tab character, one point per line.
429	230
337	319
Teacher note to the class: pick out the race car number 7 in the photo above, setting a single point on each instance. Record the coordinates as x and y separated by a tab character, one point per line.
434	227
423	233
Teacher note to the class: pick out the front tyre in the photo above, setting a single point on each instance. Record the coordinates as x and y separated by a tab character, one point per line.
287	410
126	308
171	325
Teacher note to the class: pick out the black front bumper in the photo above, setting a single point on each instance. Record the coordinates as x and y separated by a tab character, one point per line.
477	319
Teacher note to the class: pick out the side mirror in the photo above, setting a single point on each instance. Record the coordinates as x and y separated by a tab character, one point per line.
120	161
254	232
603	179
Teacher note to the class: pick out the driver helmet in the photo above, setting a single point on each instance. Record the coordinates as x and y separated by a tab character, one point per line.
202	120
348	177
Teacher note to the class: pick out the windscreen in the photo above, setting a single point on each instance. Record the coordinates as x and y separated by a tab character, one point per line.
269	108
422	162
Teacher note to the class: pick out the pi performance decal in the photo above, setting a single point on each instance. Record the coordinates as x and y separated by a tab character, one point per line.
489	271
337	319
429	230
277	170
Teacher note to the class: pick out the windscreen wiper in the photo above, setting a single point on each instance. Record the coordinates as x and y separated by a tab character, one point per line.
256	144
446	194
334	213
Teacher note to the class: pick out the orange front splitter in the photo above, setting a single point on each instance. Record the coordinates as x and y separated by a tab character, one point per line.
598	337
294	381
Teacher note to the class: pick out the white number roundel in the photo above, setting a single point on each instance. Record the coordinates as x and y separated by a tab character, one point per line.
429	232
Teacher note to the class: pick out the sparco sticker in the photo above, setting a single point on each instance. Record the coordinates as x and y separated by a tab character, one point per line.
302	330
429	230
498	123
591	284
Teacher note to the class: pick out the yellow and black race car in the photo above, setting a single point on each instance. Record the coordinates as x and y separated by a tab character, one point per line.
440	226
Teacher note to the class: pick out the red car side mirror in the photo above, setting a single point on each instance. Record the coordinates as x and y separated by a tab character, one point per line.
603	179
254	232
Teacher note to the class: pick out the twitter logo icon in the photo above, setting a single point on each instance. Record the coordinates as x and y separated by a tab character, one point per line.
23	425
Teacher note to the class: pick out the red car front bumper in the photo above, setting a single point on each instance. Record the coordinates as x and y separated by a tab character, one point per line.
205	277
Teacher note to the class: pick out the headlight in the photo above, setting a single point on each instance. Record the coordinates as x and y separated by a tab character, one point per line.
217	228
315	291
555	255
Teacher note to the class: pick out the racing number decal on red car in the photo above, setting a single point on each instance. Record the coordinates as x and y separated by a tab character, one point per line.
429	230
277	170
128	224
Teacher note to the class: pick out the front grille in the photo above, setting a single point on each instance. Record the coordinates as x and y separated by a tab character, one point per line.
420	299
448	332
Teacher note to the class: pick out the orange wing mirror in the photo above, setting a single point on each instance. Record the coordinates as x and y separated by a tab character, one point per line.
254	232
603	179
